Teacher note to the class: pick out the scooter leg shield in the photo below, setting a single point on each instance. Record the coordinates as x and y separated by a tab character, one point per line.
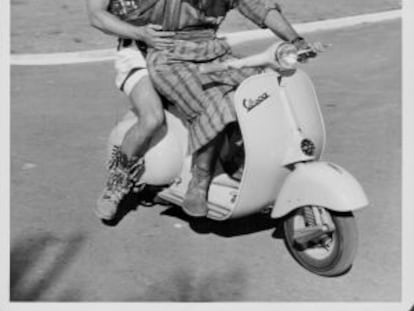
319	184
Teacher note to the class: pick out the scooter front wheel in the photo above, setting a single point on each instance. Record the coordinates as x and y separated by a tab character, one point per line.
327	247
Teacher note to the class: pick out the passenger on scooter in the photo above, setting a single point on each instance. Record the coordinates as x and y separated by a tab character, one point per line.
129	21
206	100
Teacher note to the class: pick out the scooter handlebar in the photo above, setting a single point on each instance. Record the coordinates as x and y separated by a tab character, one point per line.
304	55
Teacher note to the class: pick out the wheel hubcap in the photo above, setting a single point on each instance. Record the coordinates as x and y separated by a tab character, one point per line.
320	250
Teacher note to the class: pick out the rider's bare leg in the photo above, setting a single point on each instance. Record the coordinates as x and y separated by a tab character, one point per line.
126	165
147	105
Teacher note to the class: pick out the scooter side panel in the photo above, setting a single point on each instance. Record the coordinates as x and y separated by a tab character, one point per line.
319	184
266	134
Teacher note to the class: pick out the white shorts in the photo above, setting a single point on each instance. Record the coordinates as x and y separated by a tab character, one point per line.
131	67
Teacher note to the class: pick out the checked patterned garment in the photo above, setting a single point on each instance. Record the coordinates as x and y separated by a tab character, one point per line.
138	12
205	100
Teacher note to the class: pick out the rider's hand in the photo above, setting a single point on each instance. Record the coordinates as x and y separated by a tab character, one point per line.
318	47
234	64
154	37
308	50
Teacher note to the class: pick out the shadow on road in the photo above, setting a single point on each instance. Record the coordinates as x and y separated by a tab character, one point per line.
228	228
37	264
132	202
183	286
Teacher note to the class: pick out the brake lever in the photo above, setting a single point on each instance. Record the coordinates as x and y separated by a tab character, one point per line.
307	53
304	55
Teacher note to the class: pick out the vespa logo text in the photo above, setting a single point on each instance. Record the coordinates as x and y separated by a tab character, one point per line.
249	104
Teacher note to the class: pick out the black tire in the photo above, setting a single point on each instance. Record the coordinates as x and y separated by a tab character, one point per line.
341	254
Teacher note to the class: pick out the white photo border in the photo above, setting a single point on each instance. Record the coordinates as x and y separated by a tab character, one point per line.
408	210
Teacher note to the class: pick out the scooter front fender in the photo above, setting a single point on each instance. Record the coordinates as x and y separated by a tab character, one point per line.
319	184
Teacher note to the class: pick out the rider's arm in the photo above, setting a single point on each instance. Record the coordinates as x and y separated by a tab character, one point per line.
277	23
268	14
108	23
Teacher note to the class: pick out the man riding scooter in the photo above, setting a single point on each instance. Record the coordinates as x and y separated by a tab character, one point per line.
188	38
280	126
128	20
206	100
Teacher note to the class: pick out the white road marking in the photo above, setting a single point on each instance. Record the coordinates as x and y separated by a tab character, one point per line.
28	166
234	38
330	24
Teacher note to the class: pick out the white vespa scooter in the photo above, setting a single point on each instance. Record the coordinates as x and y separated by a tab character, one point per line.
282	139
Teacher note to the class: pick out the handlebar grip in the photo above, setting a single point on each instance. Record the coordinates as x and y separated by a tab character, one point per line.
210	68
306	54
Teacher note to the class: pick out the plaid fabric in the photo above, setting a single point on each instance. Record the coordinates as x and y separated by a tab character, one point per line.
182	14
205	100
137	12
185	14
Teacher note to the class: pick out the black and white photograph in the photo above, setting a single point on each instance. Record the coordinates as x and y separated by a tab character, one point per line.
200	152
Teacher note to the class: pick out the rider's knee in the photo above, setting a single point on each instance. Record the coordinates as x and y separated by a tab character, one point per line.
147	105
154	121
144	92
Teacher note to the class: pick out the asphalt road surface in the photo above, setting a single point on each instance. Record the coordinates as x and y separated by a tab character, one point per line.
60	118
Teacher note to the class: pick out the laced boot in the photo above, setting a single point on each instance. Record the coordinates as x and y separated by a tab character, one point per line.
123	177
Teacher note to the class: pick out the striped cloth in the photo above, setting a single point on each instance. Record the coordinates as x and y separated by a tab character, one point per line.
136	12
184	14
205	100
181	14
